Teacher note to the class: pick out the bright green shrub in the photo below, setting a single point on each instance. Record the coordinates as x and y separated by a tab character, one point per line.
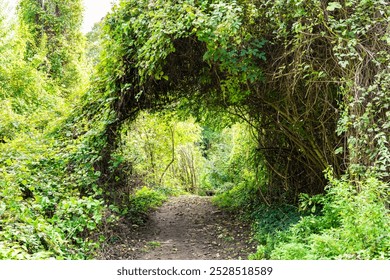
353	225
144	200
41	213
10	122
292	251
242	197
78	214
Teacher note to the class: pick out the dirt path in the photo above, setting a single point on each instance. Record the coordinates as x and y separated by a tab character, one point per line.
184	228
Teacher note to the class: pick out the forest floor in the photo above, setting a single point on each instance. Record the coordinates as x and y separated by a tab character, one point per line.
183	228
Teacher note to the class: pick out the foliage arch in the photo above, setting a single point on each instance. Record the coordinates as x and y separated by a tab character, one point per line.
287	74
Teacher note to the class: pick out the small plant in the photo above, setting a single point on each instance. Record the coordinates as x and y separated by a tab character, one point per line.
269	225
312	204
153	244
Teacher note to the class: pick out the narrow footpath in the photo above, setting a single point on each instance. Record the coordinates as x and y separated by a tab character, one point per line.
183	228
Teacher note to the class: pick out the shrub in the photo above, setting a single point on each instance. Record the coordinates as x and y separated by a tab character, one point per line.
353	224
242	197
142	201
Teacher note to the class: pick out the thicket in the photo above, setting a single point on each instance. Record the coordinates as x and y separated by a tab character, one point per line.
42	212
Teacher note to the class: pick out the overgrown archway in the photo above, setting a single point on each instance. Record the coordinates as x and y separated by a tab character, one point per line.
208	58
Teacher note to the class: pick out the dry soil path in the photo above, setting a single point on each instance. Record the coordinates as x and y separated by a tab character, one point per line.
183	228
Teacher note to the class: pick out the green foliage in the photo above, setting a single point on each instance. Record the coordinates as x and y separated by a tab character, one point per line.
10	121
361	28
310	80
24	91
43	211
353	225
53	38
269	223
312	204
142	201
94	44
164	151
242	197
76	215
232	170
42	215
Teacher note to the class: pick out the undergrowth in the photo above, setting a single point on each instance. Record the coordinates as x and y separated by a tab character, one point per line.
42	214
144	200
353	224
349	221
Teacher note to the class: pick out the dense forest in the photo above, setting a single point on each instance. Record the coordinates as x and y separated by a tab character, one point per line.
278	109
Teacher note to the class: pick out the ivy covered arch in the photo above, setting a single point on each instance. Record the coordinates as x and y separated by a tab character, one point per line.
285	73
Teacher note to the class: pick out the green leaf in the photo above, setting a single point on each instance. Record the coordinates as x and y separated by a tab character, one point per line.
3	206
339	150
343	64
333	6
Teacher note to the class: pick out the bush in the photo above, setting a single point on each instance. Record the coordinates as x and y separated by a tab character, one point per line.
142	201
353	224
268	225
42	214
242	197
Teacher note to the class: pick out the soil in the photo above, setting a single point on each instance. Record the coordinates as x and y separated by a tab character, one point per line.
183	228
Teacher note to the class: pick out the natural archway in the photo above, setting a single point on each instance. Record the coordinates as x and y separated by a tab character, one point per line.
209	58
